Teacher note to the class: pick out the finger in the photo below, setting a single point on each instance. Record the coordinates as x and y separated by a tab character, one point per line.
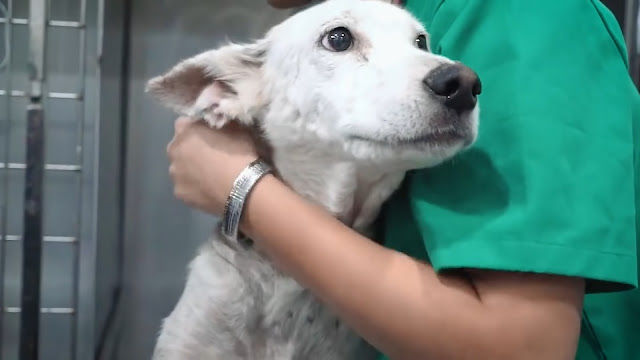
172	171
171	148
181	123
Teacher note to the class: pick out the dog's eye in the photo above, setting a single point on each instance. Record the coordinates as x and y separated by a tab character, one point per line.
338	39
421	42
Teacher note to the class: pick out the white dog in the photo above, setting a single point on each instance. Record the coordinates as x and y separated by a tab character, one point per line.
346	97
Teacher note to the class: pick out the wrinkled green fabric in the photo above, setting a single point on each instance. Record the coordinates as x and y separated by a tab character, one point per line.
551	186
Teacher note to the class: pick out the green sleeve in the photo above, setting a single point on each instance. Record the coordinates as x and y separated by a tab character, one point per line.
549	185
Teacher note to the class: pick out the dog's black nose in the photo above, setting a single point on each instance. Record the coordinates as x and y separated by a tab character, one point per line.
456	85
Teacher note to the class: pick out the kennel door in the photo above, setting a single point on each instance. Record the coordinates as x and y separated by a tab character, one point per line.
63	325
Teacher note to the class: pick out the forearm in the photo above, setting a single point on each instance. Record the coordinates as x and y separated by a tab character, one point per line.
397	303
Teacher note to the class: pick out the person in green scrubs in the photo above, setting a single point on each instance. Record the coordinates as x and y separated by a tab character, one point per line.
524	246
552	184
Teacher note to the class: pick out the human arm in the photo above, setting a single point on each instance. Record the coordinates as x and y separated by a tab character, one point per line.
400	304
397	303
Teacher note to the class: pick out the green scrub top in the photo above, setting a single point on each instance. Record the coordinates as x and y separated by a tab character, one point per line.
551	186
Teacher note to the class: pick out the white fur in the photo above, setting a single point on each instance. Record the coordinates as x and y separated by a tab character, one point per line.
337	125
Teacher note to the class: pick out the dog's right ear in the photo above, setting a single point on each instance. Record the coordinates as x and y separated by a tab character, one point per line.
219	85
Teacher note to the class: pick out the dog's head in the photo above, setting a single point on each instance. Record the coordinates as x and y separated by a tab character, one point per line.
352	78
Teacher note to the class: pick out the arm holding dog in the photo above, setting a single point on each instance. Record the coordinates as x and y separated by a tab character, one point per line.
397	303
401	305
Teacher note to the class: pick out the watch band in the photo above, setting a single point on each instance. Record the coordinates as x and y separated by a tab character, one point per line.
242	186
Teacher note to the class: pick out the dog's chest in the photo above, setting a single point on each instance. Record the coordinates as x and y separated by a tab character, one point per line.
279	319
310	329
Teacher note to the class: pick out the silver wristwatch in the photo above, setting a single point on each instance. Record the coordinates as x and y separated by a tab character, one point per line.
235	202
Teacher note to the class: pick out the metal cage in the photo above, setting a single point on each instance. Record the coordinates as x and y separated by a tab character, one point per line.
60	193
76	140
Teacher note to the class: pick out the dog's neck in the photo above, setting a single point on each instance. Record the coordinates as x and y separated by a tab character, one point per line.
350	192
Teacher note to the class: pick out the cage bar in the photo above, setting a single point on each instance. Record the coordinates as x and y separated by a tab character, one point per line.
52	23
32	238
50	167
80	160
34	173
47	239
8	65
59	311
50	95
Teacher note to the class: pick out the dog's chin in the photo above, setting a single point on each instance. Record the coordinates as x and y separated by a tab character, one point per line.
456	131
408	153
429	140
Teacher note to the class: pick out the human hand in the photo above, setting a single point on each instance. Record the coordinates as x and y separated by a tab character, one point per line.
205	162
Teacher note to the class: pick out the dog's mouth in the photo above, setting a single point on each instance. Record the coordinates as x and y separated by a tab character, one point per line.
440	137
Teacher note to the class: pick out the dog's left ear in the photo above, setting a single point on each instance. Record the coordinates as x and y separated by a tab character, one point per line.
219	86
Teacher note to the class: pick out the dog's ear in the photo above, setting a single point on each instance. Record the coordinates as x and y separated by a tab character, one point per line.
219	85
